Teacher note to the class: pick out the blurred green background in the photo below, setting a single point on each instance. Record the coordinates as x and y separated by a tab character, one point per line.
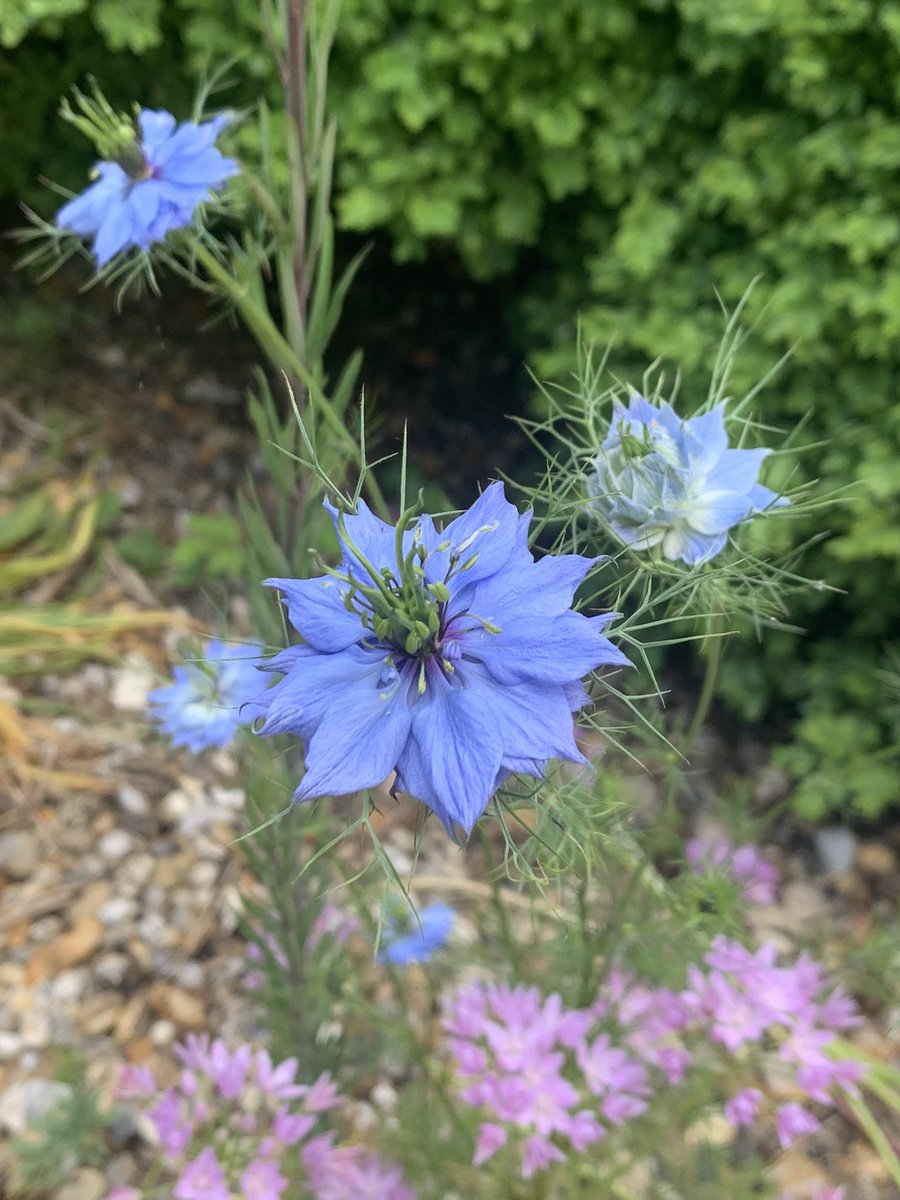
622	161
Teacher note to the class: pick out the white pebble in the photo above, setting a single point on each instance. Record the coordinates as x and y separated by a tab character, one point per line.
151	926
204	874
129	690
133	801
190	976
130	492
162	1033
68	986
35	1029
836	848
136	870
111	969
224	797
176	805
115	844
10	1045
117	910
385	1096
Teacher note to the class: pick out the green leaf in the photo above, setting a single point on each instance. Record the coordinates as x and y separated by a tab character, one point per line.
363	208
129	24
19	17
212	547
143	550
434	216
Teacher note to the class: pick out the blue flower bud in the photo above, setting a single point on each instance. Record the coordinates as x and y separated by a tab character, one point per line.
662	481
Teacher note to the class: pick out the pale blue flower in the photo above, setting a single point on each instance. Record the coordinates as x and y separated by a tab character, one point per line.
416	940
663	481
210	699
169	172
453	667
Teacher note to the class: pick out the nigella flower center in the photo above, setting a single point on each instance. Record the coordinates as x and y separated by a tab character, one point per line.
404	610
417	652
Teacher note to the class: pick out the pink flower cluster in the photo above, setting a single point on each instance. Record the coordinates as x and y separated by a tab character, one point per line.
747	865
549	1077
351	1173
745	998
237	1124
550	1080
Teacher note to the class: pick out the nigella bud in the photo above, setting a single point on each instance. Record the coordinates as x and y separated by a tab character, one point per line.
661	481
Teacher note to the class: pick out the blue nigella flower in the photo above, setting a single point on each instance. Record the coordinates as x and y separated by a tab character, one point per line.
415	941
153	187
663	481
450	657
210	700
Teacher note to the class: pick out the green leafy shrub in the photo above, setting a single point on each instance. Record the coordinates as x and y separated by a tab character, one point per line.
630	160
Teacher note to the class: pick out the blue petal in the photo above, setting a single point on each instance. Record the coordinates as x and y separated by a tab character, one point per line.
144	200
520	766
373	538
428	934
186	139
316	610
737	470
206	168
114	234
534	650
713	513
314	683
156	127
690	547
491	528
168	218
707	439
543	588
85	213
640	537
358	740
762	498
534	720
206	705
638	409
286	659
452	759
576	695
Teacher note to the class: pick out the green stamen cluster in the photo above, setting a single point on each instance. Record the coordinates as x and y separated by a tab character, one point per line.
113	134
399	606
633	446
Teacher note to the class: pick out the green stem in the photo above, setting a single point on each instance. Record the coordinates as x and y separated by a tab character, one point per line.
587	947
876	1135
512	950
714	645
283	358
